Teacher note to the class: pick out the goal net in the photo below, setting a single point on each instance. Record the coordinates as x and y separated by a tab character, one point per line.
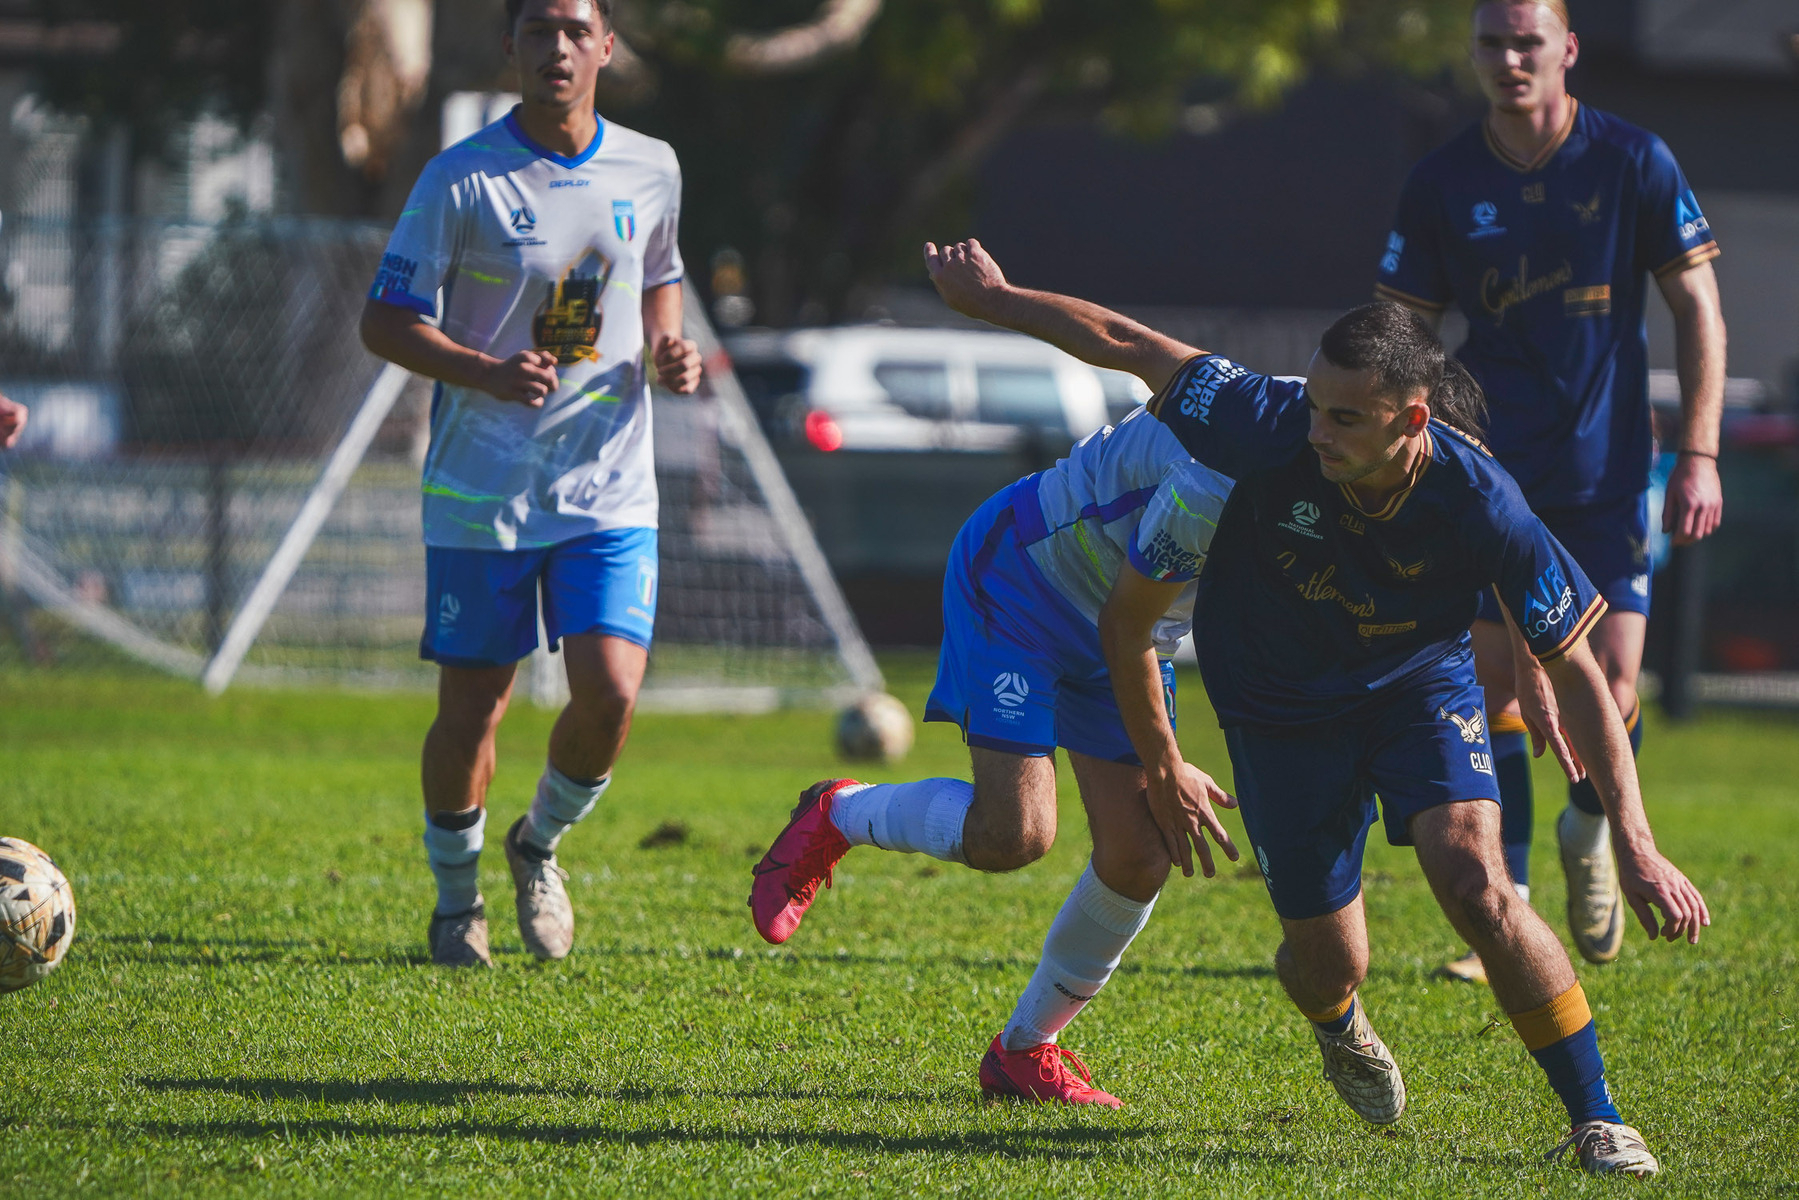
219	481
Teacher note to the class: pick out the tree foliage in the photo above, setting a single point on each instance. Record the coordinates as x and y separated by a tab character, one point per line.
828	179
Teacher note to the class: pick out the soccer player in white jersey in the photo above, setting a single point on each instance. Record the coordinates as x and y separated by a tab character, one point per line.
533	263
1065	597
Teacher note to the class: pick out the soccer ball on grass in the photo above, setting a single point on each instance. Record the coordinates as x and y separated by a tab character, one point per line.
876	728
37	914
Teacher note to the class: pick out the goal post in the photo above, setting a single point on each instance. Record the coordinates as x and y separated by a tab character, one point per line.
234	496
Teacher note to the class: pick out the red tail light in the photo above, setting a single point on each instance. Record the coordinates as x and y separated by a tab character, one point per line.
823	432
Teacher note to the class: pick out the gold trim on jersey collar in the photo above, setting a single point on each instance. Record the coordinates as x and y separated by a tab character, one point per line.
1543	156
1391	507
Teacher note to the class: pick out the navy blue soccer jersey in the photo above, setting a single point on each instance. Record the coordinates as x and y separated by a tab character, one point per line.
1550	262
1311	606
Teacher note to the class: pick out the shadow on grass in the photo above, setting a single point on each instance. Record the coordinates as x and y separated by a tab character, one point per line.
1075	1142
187	950
459	1091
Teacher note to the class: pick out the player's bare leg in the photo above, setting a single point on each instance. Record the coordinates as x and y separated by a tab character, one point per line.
1595	909
1321	963
455	769
1459	849
1002	820
1109	906
605	674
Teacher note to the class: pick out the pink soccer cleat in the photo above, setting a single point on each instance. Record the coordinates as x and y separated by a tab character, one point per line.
788	876
1040	1073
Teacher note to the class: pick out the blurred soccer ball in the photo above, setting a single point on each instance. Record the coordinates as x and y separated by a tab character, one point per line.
37	914
876	728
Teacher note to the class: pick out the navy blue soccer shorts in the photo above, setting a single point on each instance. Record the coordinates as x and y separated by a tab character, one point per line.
1307	792
481	605
1611	543
1021	669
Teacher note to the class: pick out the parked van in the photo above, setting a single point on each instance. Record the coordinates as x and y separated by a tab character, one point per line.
876	387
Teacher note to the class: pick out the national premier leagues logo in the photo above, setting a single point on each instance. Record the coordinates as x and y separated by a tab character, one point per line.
1301	518
524	220
624	219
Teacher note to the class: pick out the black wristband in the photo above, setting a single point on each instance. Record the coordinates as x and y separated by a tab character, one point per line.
1698	454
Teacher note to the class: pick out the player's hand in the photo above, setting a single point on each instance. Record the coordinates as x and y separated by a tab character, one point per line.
1543	717
966	277
1651	882
1694	506
525	378
12	422
1181	803
677	362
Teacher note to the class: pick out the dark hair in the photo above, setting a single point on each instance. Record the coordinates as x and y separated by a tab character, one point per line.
1458	401
1391	341
514	7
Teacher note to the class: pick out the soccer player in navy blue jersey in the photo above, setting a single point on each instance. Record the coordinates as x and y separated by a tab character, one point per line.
1332	622
1543	224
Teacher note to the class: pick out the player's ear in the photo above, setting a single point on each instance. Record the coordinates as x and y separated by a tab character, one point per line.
1571	55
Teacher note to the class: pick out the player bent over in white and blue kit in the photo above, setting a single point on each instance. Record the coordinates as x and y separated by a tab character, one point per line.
544	247
1065	596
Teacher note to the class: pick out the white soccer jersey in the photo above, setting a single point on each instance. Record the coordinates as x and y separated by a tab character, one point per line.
1128	493
513	246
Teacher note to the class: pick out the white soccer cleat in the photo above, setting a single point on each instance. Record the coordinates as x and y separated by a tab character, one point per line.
1595	909
1359	1065
460	939
1608	1148
546	919
1468	969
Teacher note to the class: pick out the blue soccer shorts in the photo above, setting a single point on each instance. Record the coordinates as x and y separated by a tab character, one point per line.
1307	793
1021	670
1611	543
481	605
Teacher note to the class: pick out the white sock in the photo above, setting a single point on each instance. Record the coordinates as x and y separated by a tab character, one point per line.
455	858
1523	890
558	804
1584	833
923	817
1083	948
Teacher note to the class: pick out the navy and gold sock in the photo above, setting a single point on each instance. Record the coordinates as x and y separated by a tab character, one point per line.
1511	766
1334	1020
1561	1037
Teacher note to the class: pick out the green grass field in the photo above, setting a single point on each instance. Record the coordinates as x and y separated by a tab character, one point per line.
247	1009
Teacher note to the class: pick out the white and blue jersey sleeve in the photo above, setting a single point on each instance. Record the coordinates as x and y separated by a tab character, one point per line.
422	249
1177	525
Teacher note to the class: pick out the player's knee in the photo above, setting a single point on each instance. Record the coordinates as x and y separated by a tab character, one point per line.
470	716
1327	971
1137	869
1485	904
604	706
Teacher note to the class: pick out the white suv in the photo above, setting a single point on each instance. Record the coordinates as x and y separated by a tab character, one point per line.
877	387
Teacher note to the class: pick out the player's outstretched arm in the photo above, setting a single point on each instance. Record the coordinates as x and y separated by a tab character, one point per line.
403	337
1695	503
676	358
971	283
1537	704
12	422
1648	880
1180	795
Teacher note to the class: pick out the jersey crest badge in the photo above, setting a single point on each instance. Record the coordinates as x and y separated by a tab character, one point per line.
1589	212
624	219
1472	727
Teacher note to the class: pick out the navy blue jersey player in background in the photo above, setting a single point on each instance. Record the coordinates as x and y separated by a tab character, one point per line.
1543	224
1332	626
